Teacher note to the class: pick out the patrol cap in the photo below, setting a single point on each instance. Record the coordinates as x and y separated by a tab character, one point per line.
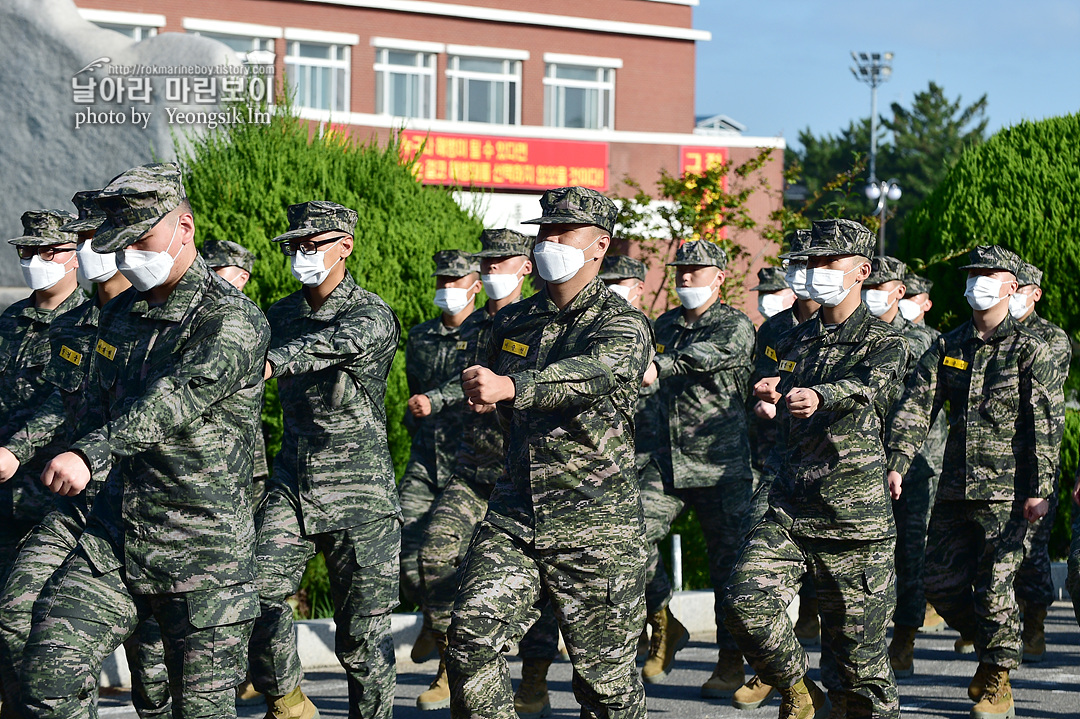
770	279
917	285
223	253
504	243
43	227
577	206
700	252
315	217
797	241
134	202
621	267
1029	274
993	257
454	263
885	269
90	217
830	238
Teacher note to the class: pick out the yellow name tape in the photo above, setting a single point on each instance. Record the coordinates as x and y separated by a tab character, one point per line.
105	349
659	349
515	348
954	362
770	353
463	345
70	355
787	366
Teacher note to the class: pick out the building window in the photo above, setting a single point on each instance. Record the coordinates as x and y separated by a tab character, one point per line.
136	25
405	83
249	50
579	96
135	32
319	75
483	89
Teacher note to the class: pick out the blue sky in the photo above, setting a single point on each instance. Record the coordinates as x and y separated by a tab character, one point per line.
779	66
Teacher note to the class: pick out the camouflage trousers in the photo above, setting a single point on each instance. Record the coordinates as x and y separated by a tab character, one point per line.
974	549
854	582
12	534
596	593
1034	584
83	615
455	518
362	566
1072	583
417	495
40	555
721	511
912	514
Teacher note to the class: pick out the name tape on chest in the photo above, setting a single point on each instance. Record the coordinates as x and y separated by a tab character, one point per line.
787	366
659	349
71	355
105	349
954	362
463	345
770	353
515	348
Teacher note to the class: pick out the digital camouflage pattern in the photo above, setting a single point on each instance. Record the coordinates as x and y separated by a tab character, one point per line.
917	285
838	237
700	252
1029	274
315	217
223	253
830	468
992	257
90	217
504	243
135	201
621	267
770	279
45	227
454	263
577	206
885	269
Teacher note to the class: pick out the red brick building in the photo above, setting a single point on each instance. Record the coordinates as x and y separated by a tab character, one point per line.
511	96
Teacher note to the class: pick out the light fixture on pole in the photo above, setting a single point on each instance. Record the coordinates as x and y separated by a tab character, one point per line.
872	68
883	192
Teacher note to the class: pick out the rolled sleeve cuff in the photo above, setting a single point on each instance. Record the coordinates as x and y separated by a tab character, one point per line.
827	394
665	365
524	389
276	360
97	453
21	448
899	463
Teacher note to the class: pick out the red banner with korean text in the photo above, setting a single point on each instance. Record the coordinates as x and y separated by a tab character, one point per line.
506	162
695	161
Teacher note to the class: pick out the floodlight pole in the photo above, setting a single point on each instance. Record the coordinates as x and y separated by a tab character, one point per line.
873	69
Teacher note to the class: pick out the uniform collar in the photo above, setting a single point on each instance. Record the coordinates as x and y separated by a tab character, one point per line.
850	331
1003	330
589	294
36	314
710	316
183	297
340	297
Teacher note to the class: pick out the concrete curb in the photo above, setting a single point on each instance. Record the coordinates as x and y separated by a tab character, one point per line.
315	637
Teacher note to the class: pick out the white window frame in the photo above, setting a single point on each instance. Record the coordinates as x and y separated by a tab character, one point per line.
258	35
456	80
143	24
428	68
555	87
296	36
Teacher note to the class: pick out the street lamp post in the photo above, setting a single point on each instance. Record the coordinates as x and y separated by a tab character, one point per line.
883	192
874	68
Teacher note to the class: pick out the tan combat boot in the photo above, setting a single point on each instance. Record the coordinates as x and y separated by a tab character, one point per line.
1034	633
902	651
294	705
424	648
997	700
808	628
668	637
932	621
531	698
803	701
437	695
726	678
977	687
752	694
246	695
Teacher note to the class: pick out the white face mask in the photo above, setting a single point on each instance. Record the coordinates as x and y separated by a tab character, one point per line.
145	269
877	301
500	286
771	305
558	263
827	286
94	266
1018	304
796	279
620	290
41	275
452	299
311	269
983	292
694	297
910	310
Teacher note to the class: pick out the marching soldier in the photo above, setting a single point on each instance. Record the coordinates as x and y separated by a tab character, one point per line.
916	302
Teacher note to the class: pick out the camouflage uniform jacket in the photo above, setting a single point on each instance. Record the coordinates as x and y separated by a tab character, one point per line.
1060	346
830	467
24	354
646	434
765	365
331	364
175	397
1002	394
434	358
704	370
570	478
919	339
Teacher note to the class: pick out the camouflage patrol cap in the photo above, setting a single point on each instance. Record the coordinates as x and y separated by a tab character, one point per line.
577	206
315	217
1029	274
917	285
770	279
830	238
885	269
44	227
504	243
621	267
700	252
993	257
134	202
223	253
454	263
90	217
797	241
